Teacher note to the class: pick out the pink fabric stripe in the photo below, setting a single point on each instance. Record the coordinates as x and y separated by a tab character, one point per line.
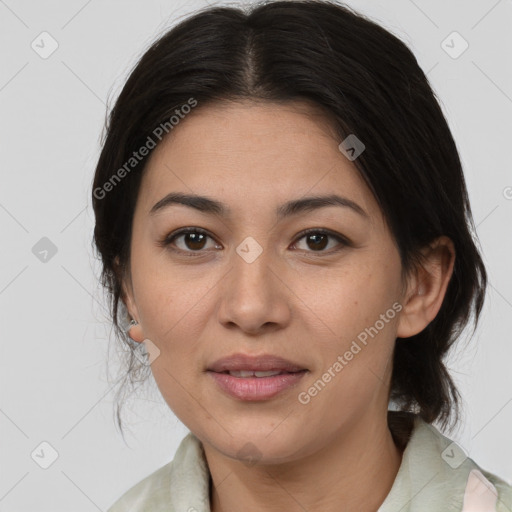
480	494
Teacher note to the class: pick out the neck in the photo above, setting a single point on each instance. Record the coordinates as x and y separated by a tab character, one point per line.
355	470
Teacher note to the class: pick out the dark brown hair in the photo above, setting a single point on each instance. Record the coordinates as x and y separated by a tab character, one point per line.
371	85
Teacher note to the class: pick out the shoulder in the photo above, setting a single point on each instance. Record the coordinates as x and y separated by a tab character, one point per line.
183	481
470	485
436	474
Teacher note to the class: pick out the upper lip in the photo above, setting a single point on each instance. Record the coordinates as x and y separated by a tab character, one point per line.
261	363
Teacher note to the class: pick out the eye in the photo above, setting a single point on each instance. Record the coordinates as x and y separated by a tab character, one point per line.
192	240
317	239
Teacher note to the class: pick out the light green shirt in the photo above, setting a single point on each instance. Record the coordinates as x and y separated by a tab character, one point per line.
434	476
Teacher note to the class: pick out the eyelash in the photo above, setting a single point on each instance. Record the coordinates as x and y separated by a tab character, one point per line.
166	242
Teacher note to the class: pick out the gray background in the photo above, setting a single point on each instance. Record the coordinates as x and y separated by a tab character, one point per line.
54	381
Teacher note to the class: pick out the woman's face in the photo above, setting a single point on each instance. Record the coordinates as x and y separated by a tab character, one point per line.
253	283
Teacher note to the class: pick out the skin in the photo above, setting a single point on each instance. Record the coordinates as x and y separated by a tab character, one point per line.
297	301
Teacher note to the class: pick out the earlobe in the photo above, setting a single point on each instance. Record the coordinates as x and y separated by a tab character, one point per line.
428	288
134	329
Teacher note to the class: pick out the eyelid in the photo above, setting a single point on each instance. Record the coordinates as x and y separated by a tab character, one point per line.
168	239
338	236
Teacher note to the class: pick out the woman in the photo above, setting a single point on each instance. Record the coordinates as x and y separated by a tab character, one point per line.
281	211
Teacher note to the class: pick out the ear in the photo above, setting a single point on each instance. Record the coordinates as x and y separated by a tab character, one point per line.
427	288
135	332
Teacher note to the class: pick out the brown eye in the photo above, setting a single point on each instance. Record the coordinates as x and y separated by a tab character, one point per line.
194	241
317	240
187	240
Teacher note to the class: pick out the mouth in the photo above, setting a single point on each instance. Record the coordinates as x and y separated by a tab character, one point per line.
244	374
253	388
250	378
254	365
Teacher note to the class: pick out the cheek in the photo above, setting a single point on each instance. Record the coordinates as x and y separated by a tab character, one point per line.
170	298
347	301
356	371
177	386
358	313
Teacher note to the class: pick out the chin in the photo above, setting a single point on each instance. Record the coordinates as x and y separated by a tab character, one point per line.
257	446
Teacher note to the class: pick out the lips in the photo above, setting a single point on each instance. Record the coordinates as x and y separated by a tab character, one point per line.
244	363
255	378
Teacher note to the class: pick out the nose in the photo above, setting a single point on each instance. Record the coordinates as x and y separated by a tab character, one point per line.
254	295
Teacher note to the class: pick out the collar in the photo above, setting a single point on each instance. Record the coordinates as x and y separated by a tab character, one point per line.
435	475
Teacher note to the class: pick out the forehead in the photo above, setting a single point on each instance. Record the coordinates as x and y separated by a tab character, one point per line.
229	128
248	153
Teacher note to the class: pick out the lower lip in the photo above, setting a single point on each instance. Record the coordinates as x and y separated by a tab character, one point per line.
256	388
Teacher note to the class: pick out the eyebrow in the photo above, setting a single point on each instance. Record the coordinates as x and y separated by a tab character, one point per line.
208	205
